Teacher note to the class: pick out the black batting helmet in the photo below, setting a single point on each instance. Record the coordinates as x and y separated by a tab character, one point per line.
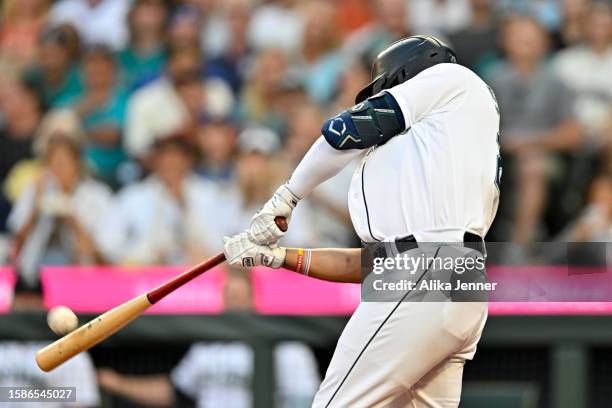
404	59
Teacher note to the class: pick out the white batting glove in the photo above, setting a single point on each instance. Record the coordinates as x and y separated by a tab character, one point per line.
241	251
264	230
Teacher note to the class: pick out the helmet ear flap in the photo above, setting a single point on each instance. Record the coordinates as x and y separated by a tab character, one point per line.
379	84
402	76
396	78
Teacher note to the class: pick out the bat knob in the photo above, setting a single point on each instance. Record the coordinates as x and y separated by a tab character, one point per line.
281	223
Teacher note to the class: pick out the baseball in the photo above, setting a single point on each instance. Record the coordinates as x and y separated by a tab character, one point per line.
62	320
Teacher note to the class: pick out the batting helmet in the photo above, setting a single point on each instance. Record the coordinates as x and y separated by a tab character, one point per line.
404	59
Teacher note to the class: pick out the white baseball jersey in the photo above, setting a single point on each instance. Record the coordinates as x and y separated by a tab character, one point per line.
440	177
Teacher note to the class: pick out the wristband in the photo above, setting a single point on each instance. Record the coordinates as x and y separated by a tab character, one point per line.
287	196
300	260
307	258
304	257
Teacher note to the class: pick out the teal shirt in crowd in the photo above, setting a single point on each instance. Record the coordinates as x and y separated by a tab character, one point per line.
61	94
105	160
137	68
321	78
110	114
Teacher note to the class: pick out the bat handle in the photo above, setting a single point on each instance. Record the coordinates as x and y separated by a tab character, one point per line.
161	291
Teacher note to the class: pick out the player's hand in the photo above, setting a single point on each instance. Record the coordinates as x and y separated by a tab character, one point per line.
241	251
264	230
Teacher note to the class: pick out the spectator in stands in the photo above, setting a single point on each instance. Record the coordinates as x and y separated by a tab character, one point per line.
19	369
594	224
304	129
27	171
157	109
265	83
61	218
226	43
144	57
22	110
355	15
184	28
56	77
193	97
291	96
325	210
214	32
536	121
217	144
73	41
390	24
257	169
546	12
439	17
572	30
478	41
22	23
97	21
355	77
264	79
220	374
101	108
173	216
593	103
286	20
320	61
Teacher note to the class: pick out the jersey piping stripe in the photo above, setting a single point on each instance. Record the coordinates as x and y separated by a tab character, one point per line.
365	203
378	330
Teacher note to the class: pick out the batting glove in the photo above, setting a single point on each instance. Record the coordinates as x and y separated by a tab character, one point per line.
264	230
241	251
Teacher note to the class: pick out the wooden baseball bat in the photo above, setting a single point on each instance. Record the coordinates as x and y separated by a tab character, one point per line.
108	323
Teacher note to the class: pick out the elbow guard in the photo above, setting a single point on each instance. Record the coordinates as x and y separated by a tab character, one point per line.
369	123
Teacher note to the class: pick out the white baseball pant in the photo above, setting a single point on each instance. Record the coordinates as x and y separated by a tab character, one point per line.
406	354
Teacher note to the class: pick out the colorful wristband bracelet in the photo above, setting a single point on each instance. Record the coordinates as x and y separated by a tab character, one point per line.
304	256
300	260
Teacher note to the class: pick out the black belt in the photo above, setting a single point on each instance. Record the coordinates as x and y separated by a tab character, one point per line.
469	240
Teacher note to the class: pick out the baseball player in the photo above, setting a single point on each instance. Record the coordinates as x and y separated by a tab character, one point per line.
426	132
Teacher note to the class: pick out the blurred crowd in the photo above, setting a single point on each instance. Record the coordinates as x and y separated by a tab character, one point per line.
140	132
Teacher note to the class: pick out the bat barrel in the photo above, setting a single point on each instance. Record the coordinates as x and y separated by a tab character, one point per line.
110	322
90	333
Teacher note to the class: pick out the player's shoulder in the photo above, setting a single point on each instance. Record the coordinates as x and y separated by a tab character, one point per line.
462	75
448	69
446	78
446	75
